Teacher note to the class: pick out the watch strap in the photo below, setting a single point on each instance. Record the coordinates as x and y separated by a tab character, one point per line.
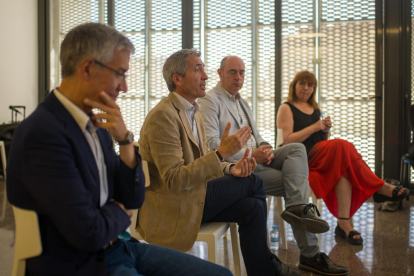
128	140
219	156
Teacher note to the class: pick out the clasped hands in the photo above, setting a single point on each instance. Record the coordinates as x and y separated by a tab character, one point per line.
322	124
263	154
231	144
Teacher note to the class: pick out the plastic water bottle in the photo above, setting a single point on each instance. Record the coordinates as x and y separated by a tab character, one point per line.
274	239
323	117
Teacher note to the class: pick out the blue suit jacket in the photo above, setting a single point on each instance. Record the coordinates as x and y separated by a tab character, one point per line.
52	170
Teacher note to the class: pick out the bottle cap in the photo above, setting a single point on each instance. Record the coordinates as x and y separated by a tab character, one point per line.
274	227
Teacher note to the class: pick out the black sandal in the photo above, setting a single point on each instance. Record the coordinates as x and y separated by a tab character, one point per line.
350	238
378	198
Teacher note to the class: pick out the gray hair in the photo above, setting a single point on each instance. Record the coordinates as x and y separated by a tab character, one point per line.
91	40
177	64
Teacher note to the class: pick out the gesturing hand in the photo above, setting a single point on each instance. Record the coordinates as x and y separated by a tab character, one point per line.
263	154
111	114
244	167
231	144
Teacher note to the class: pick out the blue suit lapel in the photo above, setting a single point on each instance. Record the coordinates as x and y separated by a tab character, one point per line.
73	130
106	146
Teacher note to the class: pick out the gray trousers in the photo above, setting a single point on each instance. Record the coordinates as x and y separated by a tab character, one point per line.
287	176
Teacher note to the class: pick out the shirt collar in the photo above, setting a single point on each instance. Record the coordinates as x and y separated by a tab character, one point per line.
230	96
78	114
186	104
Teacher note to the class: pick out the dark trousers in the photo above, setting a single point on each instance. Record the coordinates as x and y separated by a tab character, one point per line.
242	200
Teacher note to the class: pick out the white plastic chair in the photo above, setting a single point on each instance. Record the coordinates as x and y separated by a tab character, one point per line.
3	158
27	240
209	233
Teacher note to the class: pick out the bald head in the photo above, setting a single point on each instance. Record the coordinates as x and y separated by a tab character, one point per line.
231	74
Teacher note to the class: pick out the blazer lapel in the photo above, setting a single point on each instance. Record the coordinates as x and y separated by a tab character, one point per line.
107	147
221	94
246	109
56	107
183	117
201	134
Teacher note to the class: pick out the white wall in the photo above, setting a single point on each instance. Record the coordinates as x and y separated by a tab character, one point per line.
18	56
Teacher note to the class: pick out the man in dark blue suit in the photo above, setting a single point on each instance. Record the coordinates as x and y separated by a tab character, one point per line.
62	165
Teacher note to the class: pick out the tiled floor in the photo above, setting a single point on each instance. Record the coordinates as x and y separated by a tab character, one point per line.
388	248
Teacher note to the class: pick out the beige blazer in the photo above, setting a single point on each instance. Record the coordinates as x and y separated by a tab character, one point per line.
179	171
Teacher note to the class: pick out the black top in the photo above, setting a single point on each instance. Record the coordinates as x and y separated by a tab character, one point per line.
302	120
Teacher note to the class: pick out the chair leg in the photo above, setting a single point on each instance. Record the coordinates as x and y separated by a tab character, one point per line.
269	200
282	226
19	268
236	248
211	249
3	158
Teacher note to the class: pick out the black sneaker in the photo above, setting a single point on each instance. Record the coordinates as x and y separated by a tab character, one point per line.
322	265
303	216
280	269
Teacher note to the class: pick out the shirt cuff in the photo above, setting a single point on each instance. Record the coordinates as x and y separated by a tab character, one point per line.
227	168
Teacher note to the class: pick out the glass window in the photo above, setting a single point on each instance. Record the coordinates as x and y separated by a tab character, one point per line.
335	39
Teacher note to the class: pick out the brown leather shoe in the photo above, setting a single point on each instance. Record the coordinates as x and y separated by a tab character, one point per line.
321	264
304	216
281	269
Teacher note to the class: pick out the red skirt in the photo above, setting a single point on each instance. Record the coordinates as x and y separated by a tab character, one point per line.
331	159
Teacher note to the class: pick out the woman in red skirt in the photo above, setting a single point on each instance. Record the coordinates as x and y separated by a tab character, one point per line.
337	172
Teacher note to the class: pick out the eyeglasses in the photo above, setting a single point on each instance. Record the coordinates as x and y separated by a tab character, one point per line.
119	74
303	83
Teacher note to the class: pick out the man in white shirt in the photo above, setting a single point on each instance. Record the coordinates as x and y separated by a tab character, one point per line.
284	171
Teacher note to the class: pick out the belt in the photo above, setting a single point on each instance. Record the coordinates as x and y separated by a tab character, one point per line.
111	243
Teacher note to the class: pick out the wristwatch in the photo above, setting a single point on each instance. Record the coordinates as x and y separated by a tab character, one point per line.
128	140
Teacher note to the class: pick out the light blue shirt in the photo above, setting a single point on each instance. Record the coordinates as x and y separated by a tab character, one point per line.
244	121
190	111
85	123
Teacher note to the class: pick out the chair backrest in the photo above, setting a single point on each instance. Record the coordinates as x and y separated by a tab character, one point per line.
279	138
27	240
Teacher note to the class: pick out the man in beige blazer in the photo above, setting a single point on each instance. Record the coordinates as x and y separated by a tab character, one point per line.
190	184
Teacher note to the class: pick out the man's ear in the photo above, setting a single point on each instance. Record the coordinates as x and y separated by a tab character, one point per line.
219	72
177	80
86	69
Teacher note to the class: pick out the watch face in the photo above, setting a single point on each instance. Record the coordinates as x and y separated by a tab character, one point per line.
130	137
